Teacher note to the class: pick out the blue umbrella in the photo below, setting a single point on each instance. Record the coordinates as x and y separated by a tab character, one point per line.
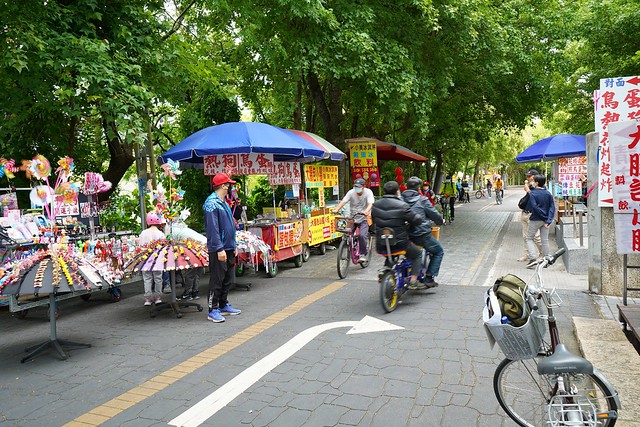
242	137
554	147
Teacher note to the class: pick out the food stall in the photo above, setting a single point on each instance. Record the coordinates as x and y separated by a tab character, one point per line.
251	148
319	223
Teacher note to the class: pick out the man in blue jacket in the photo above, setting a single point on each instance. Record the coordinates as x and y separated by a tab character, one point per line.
221	245
543	210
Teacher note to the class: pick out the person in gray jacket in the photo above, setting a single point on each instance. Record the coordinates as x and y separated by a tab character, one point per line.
421	234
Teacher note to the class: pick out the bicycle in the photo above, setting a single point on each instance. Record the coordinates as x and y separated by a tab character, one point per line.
394	277
444	204
542	383
349	249
499	196
482	192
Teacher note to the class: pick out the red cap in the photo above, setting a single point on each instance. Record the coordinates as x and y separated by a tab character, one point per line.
221	178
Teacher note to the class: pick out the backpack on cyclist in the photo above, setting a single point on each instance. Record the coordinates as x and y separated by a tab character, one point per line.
510	291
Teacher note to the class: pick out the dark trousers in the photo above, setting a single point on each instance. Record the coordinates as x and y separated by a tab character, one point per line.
363	237
452	202
220	278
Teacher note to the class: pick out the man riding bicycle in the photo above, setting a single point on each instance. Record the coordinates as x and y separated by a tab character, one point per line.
421	234
392	213
360	201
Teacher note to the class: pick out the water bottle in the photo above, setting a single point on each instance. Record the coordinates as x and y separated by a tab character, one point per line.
504	320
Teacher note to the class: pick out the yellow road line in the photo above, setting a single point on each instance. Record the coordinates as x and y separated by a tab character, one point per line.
115	406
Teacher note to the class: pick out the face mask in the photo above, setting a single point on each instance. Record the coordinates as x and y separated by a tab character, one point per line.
359	190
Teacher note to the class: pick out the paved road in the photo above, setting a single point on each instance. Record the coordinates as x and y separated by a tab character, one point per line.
435	371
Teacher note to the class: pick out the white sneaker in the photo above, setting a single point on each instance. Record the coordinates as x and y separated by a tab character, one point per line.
147	301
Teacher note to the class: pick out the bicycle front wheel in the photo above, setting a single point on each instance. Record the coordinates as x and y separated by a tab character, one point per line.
388	293
344	258
525	396
478	194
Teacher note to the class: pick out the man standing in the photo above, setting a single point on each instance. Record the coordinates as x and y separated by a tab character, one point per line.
360	201
221	245
421	234
525	215
543	212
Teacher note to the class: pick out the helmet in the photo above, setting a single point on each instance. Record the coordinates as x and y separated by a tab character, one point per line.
154	218
413	183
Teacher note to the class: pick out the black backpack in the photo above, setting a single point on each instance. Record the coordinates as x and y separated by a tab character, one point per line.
522	204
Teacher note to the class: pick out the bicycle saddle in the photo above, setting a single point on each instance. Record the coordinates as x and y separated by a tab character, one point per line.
562	360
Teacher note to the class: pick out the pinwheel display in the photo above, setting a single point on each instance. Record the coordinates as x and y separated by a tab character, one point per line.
168	255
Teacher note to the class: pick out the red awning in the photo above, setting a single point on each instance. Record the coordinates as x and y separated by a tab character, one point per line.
391	151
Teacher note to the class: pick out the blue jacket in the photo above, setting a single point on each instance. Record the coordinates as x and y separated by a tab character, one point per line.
541	205
219	225
423	207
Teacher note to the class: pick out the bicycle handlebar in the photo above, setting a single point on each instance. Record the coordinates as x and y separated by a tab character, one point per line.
535	291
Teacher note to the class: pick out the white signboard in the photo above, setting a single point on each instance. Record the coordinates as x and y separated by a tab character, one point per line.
624	143
617	100
285	173
239	164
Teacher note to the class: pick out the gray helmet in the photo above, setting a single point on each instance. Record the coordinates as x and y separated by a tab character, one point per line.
414	183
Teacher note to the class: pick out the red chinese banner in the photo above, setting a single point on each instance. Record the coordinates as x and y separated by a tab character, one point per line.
239	164
617	100
369	174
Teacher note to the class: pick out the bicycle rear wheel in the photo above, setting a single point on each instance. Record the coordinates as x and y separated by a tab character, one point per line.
388	293
344	258
478	194
525	395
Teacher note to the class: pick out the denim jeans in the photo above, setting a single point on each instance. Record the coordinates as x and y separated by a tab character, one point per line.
435	250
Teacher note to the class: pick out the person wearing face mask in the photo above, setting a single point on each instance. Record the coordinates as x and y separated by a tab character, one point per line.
221	245
360	201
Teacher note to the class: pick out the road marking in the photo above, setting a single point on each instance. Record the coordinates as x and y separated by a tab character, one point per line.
115	406
217	400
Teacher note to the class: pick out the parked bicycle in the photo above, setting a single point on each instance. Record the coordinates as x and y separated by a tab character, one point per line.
482	192
542	383
349	249
395	276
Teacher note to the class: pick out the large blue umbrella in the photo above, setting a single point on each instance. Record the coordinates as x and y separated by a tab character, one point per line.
554	147
242	137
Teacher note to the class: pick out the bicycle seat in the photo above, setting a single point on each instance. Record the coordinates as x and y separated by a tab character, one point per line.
562	360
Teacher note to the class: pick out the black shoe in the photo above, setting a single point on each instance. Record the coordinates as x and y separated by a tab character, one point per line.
429	282
194	295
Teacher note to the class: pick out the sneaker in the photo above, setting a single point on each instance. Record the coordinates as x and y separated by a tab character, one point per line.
362	259
532	264
147	301
215	316
228	310
523	258
186	297
194	295
158	300
166	290
416	286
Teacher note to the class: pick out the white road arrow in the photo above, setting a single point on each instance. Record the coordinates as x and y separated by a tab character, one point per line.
217	400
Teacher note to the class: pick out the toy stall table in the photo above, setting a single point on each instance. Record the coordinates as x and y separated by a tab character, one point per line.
285	238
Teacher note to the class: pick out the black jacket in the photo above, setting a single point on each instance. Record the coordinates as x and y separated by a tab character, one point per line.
423	207
392	212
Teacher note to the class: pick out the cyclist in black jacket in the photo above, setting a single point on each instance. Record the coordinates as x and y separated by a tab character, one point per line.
391	212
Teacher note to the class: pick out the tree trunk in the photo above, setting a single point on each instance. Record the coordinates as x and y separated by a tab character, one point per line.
121	157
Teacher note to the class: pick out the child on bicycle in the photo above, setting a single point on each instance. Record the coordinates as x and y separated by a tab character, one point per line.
392	213
421	234
360	201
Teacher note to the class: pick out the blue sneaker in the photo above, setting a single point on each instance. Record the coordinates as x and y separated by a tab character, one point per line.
215	316
228	310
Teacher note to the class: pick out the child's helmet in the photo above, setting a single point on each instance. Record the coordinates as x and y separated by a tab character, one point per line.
154	218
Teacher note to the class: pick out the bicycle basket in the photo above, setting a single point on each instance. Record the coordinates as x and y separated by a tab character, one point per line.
520	342
344	225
